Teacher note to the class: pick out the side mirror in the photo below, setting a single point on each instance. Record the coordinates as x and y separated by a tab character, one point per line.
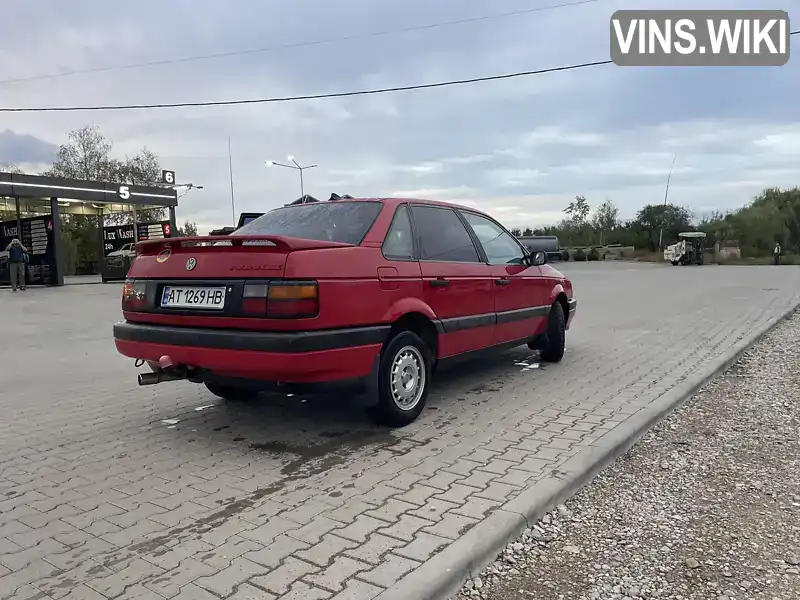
538	258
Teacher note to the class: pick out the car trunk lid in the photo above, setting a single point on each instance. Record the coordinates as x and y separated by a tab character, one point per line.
211	280
218	257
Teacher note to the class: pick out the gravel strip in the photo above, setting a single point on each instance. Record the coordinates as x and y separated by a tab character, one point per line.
705	506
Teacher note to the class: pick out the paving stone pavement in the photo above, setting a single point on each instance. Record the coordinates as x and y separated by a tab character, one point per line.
108	490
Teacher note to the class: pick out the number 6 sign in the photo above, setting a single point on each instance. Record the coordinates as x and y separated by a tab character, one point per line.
168	177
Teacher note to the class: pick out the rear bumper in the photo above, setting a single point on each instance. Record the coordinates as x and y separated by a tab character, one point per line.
572	306
291	357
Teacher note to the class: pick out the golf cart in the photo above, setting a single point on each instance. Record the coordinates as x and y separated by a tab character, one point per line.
688	250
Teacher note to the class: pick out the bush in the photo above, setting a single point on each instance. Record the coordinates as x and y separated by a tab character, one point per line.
565	255
579	255
593	255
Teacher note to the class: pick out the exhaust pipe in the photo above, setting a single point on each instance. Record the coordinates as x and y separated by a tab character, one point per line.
160	376
149	378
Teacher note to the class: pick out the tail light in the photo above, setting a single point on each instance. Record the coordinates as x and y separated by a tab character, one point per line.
134	295
282	299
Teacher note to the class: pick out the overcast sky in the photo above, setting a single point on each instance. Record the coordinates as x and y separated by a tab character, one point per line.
520	149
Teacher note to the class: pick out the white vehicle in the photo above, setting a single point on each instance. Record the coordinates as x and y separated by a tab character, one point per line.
126	250
688	250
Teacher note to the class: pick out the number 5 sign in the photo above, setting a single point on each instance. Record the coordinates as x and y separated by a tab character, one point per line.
168	177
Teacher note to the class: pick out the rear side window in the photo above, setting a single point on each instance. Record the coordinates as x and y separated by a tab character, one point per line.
399	242
345	222
442	235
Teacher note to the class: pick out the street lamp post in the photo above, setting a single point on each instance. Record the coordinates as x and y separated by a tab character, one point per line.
189	187
296	166
666	195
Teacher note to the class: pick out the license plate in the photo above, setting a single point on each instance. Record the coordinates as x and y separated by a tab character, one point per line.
193	297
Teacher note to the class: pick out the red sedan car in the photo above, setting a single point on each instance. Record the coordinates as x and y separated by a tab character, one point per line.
376	291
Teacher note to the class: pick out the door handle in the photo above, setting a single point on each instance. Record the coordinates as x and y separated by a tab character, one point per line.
502	281
439	283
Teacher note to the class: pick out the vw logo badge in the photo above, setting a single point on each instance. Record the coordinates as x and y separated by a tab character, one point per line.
191	264
163	255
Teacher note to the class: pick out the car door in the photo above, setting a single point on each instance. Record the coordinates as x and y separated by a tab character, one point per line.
521	290
457	284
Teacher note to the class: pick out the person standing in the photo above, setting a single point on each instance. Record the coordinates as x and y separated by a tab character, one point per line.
776	254
17	258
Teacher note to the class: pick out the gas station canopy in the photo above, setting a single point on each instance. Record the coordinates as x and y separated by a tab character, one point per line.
14	185
50	197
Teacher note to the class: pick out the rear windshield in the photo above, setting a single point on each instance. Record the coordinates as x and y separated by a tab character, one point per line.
346	222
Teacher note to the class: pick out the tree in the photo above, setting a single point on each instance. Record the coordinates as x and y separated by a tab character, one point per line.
785	203
651	218
516	232
528	231
772	216
578	211
605	219
574	225
87	155
189	229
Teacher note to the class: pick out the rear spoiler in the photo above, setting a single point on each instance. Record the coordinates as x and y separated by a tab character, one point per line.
286	244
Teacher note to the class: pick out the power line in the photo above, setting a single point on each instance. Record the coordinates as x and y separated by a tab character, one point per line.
186	59
405	88
281	99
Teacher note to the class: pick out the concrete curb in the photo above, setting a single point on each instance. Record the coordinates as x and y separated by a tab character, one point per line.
442	576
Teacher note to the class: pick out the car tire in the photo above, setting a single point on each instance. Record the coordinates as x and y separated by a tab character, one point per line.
404	376
555	340
231	392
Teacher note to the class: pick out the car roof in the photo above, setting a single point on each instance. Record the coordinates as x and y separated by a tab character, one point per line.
395	201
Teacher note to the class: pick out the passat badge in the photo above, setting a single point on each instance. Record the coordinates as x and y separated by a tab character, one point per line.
191	264
163	255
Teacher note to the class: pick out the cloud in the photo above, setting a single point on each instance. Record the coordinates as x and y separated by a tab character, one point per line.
520	149
24	149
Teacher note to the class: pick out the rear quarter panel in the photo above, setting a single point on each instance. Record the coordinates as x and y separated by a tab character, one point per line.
351	293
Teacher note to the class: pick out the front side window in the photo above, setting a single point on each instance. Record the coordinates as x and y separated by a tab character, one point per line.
442	235
500	246
345	222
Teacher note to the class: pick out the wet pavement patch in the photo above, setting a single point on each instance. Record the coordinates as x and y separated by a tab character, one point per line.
332	453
